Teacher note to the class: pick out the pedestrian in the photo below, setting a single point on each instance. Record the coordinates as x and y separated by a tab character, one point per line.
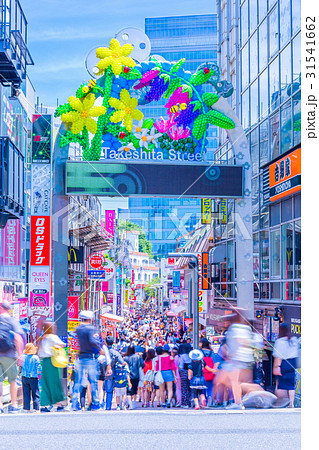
11	348
196	377
89	352
183	363
31	369
208	374
51	393
109	382
166	365
134	362
148	390
178	384
121	382
286	351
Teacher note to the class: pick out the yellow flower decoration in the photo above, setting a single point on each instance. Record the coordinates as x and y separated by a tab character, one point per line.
114	56
82	116
125	110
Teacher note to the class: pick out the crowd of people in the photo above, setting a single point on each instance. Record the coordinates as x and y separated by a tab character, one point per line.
150	362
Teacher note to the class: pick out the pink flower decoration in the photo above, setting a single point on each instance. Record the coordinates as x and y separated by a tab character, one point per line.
177	133
178	96
164	125
147	78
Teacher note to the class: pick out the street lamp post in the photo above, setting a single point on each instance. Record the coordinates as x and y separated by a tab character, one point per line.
195	311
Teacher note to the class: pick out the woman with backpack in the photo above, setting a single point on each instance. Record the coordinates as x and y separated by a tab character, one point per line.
134	362
183	362
208	375
196	377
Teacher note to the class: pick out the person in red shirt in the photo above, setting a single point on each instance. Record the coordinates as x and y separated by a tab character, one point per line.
148	389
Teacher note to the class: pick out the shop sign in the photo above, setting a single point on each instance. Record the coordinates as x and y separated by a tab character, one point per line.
39	276
206	217
270	328
96	274
109	297
73	324
118	305
40	241
205	271
23	308
184	297
109	222
109	268
285	176
292	316
39	298
73	307
222	212
11	243
41	189
41	138
76	255
202	302
176	281
15	310
171	261
218	317
96	261
210	333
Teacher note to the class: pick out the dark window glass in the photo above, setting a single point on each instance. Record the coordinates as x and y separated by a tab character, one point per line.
264	290
298	249
297	206
264	255
264	216
287	250
275	290
274	214
286	210
298	291
275	253
287	291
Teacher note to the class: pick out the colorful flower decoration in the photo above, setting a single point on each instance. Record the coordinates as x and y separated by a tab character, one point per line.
147	78
126	148
177	133
81	116
139	127
125	110
164	125
115	57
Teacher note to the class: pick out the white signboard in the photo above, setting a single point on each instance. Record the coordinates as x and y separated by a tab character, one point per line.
109	268
41	189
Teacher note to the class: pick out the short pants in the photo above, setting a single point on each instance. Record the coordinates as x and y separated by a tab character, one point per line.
120	391
8	368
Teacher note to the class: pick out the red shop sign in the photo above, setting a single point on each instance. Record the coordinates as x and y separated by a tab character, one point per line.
96	261
73	307
40	241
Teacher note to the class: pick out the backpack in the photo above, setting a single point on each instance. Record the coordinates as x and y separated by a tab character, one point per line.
6	336
209	376
120	376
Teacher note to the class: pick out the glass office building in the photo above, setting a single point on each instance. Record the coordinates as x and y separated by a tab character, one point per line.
269	89
195	39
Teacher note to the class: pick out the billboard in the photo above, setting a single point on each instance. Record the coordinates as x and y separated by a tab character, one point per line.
40	241
206	217
109	221
153	179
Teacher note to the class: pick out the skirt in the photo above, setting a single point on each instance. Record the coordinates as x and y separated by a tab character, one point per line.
167	375
51	391
288	378
197	383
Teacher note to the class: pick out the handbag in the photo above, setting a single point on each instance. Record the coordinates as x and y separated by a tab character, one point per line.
149	376
59	358
158	379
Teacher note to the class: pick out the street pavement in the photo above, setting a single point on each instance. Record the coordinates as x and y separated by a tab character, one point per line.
156	429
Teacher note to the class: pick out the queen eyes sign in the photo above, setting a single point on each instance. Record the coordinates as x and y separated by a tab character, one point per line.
157	179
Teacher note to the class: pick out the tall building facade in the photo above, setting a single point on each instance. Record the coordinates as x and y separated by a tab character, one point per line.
259	52
172	38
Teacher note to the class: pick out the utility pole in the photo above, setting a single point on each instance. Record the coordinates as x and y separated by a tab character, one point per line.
195	311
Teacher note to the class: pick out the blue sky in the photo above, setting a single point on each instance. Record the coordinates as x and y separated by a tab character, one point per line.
62	32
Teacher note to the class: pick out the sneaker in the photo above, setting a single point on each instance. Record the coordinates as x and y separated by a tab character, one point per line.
45	409
102	405
178	405
163	405
1	411
95	407
76	407
118	408
60	408
197	407
124	407
168	404
13	410
235	406
185	406
203	403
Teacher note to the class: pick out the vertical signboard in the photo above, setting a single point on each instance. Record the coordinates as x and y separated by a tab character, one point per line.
118	304
109	222
40	306
205	272
222	212
176	282
206	211
10	249
200	284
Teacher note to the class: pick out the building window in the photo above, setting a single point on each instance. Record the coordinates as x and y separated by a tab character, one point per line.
264	290
287	255
298	291
296	16
287	291
275	253
297	118
256	256
297	249
273	32
263	45
274	135
253	14
286	210
263	94
244	22
274	214
285	73
264	255
255	203
285	129
296	58
254	149
245	109
297	206
254	105
285	31
275	291
274	84
264	143
253	57
244	67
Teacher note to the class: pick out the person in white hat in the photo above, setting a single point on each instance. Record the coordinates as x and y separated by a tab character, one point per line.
196	376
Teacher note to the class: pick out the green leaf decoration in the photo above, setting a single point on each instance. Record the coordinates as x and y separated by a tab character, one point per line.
156	62
199	126
63	141
133	74
186	88
177	65
199	78
209	98
62	109
165	77
136	143
148	123
219	119
197	104
174	84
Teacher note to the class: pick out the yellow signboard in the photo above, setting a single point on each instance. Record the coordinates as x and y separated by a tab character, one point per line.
73	324
223	212
206	211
